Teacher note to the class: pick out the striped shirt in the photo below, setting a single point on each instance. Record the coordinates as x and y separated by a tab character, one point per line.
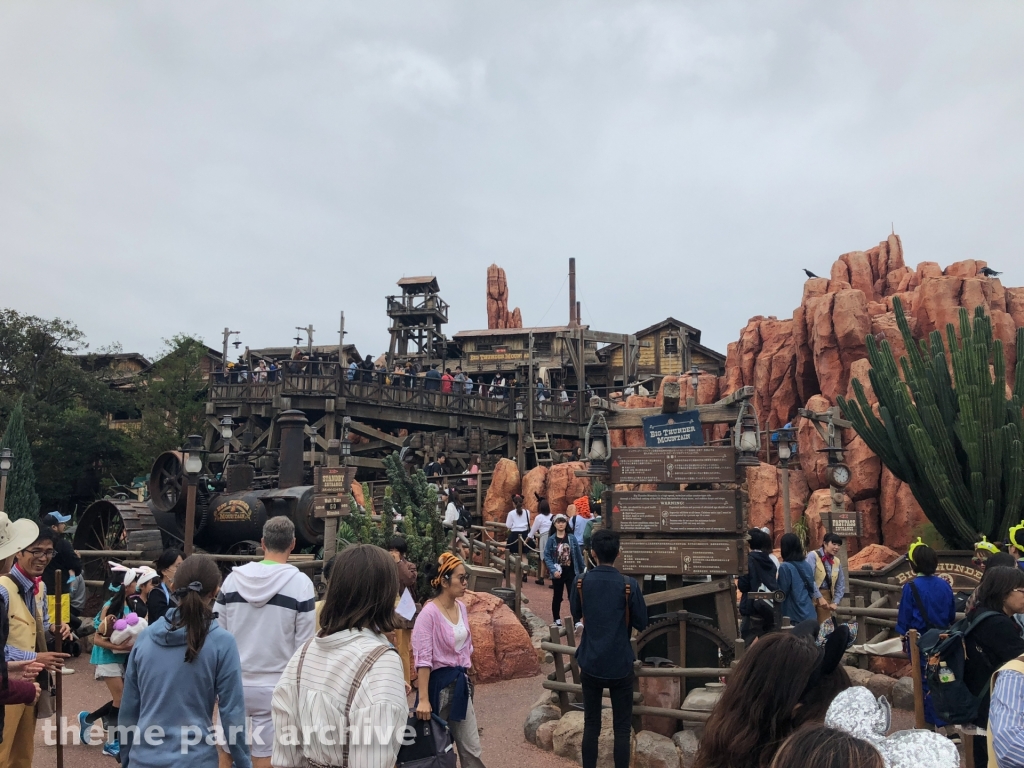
1006	719
379	711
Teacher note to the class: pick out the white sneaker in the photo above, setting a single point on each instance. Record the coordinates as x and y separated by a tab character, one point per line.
558	622
67	671
579	625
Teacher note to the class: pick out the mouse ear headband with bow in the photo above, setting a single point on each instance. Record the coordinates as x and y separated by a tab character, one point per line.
130	574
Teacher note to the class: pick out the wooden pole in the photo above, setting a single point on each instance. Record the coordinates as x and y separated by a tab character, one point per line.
190	515
58	646
519	582
915	672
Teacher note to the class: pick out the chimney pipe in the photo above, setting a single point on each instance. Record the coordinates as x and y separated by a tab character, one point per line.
293	434
572	293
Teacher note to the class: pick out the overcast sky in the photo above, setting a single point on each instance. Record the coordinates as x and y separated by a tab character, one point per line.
181	166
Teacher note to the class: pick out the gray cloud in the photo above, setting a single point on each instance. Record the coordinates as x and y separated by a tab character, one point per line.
187	166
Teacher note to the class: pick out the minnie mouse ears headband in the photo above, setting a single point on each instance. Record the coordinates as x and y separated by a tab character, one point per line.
830	656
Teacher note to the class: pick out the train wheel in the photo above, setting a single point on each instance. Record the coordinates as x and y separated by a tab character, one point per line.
167	482
703	643
118	525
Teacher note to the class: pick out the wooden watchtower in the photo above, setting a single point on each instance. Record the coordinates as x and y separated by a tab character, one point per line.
418	316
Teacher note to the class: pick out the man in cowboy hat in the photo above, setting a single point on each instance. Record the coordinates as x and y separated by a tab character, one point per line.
24	601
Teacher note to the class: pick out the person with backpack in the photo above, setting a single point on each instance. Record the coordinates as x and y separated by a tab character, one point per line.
926	602
456	514
992	639
348	676
758	615
796	580
610	606
564	560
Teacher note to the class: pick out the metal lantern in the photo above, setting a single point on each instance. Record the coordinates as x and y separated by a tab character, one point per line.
227	425
346	448
519	411
194	456
786	440
694	379
596	443
747	436
6	461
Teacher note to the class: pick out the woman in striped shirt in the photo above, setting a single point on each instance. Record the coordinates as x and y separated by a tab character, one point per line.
310	719
443	648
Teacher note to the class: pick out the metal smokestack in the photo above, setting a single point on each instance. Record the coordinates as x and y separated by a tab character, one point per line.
572	293
293	434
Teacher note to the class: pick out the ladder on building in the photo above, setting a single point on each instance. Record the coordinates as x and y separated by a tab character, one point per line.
542	450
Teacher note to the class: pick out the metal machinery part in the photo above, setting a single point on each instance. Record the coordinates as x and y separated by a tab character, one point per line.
167	483
112	524
704	644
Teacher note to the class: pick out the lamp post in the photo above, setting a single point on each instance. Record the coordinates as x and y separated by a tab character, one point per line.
227	425
520	439
6	461
193	465
786	440
694	383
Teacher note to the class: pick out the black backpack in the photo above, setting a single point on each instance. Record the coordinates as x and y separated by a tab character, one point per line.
464	521
953	701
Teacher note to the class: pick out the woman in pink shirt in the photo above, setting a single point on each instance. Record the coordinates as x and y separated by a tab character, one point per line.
443	648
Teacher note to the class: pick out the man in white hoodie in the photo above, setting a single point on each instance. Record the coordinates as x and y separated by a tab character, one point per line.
269	607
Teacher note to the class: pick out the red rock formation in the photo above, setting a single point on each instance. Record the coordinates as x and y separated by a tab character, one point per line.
534	487
564	487
813	358
501	645
498	315
874	555
764	490
504	485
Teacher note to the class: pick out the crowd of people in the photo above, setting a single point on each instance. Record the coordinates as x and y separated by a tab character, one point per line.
254	671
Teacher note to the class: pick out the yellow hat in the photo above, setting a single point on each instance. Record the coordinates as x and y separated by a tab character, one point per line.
1015	536
915	545
986	546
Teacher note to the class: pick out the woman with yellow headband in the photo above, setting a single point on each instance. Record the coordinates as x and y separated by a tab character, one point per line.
443	648
927	601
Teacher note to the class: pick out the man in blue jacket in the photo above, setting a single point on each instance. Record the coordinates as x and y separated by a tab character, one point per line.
610	606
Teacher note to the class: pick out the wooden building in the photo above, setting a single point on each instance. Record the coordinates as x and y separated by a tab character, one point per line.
668	348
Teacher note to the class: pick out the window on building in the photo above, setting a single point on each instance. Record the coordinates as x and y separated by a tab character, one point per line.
671	345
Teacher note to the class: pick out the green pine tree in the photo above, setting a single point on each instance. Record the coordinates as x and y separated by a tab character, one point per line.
22	499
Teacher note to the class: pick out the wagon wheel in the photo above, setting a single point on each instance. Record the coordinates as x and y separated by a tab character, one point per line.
705	644
106	525
167	482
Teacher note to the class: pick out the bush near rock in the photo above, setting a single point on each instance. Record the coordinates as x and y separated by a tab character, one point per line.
502	648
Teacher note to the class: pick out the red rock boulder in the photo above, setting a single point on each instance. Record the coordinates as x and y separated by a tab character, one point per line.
564	487
874	555
502	648
504	485
809	443
534	487
498	315
900	512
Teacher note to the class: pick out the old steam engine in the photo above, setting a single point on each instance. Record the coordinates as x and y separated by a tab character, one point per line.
230	509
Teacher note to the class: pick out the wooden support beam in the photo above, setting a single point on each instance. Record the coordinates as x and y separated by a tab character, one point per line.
368	431
684	593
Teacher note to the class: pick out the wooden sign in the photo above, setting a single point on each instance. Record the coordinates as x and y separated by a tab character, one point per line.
330	505
682	557
333	479
845	523
675	512
667	430
703	464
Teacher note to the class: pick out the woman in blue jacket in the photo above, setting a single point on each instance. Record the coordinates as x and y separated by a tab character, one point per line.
564	560
181	667
796	580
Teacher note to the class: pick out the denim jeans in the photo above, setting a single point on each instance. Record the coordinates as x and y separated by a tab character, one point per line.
621	692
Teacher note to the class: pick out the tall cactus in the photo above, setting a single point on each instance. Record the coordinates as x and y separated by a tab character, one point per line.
955	440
